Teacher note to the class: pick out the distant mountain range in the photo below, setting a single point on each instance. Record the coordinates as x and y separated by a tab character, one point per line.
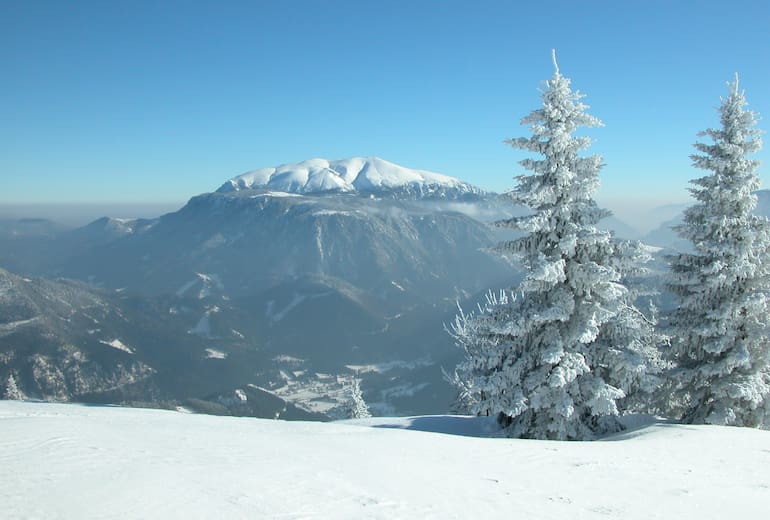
291	280
268	296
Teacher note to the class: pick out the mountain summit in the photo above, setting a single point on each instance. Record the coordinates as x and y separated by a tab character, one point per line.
369	176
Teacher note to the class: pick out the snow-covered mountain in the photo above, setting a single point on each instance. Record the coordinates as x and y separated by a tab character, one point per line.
368	176
286	290
252	240
330	279
86	462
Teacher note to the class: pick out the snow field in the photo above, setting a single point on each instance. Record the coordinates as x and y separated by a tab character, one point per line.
74	461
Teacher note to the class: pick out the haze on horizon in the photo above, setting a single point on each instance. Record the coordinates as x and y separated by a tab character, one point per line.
140	107
640	217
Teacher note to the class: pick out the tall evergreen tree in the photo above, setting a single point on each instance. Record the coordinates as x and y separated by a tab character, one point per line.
720	327
554	361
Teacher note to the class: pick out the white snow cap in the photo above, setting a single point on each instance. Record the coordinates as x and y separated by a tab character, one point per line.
344	175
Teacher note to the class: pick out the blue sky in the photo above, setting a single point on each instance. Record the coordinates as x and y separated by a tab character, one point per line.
129	101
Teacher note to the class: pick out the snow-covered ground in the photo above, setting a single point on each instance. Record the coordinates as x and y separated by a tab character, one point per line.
73	461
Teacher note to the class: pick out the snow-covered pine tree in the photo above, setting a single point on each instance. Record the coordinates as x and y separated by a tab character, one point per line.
554	361
357	408
720	328
630	346
477	377
12	390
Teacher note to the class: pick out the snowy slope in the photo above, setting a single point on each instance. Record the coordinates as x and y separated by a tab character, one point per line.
357	174
69	461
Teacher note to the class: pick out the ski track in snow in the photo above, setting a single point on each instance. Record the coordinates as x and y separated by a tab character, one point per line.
208	283
74	461
278	316
203	327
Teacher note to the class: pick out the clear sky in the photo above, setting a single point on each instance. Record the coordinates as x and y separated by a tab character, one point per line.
157	101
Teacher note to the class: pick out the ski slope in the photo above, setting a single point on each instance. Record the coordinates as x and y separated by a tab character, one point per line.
75	461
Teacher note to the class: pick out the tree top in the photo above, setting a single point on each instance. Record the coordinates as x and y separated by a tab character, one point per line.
555	63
